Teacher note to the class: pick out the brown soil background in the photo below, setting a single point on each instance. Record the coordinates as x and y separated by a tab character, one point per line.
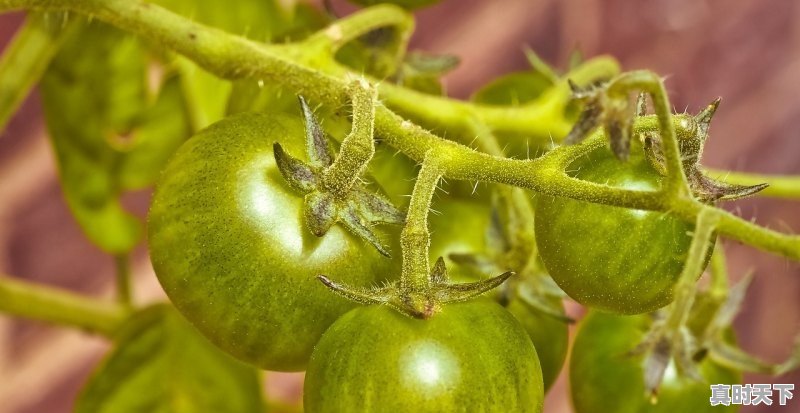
747	51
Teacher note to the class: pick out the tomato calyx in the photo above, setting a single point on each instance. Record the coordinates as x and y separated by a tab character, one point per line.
706	189
356	208
419	303
614	112
705	333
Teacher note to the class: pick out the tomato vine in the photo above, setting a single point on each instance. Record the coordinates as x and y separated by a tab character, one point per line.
401	118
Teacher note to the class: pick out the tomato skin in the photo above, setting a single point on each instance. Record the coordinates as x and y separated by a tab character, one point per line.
614	259
231	249
472	356
604	378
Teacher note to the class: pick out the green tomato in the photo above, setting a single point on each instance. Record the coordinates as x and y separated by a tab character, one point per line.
471	356
460	227
615	259
230	247
603	377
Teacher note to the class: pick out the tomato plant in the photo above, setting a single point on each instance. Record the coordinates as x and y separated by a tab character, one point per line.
229	245
615	259
374	359
603	372
270	231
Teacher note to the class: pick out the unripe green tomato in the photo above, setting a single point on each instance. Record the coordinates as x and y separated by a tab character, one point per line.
604	377
230	246
615	259
469	357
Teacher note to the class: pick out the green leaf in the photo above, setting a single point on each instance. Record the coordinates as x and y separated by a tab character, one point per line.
422	71
26	58
513	89
164	126
161	364
520	87
92	93
109	134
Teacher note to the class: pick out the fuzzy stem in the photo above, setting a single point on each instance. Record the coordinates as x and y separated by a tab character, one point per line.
415	237
23	299
358	146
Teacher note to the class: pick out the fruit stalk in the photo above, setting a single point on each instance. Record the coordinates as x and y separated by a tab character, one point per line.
415	237
358	146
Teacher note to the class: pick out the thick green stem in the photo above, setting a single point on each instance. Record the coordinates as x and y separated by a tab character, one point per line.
27	56
358	146
415	237
23	299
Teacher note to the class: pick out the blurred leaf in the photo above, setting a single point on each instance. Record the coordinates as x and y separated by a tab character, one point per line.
422	71
92	92
374	53
162	364
26	58
520	87
406	4
513	89
163	129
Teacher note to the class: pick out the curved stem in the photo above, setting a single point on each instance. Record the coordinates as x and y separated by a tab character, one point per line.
359	24
358	146
23	299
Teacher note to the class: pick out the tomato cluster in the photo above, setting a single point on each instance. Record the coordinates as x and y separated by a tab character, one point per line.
230	246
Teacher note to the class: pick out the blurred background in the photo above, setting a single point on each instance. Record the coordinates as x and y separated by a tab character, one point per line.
746	51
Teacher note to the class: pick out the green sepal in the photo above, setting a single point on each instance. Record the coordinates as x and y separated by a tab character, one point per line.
358	211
